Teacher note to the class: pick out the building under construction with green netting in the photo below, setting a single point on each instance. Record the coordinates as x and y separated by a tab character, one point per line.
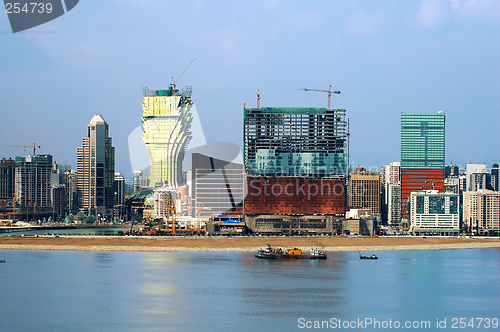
295	166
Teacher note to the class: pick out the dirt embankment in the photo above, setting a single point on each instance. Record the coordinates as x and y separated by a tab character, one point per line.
240	244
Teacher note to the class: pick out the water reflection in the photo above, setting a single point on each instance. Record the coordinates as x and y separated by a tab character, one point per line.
116	291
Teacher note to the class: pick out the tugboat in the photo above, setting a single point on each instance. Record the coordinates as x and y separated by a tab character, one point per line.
278	253
373	256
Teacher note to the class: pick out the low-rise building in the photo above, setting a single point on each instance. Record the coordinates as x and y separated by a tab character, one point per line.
481	212
364	190
432	212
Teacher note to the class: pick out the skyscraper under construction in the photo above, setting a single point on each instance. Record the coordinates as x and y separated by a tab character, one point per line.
166	122
295	165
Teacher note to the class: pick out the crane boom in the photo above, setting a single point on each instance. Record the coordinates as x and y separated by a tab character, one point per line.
34	146
174	81
329	91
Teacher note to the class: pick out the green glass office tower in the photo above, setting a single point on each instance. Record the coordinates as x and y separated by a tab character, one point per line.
422	140
422	154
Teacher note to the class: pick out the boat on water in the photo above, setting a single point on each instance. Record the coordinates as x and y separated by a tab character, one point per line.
373	256
278	253
2	260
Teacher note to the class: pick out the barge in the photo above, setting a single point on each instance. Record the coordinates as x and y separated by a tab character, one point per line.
278	253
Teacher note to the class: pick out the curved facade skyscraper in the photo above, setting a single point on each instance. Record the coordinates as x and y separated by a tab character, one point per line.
166	122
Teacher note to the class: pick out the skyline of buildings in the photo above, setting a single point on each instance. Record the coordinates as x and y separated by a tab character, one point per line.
302	150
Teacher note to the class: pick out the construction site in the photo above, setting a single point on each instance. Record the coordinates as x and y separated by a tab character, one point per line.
295	168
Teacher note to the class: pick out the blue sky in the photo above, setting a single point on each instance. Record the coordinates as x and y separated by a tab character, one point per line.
386	57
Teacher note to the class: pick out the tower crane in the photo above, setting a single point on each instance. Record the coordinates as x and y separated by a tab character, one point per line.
28	146
174	81
329	91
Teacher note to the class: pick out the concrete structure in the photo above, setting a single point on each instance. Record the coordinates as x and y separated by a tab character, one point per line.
164	207
357	213
55	179
33	183
391	173
422	154
478	181
72	199
7	184
140	180
364	191
226	225
119	186
217	186
364	225
451	170
495	177
436	213
166	122
394	203
481	212
391	192
452	185
58	197
96	169
470	170
292	224
295	165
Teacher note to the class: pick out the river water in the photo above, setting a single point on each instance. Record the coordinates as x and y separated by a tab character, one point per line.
221	291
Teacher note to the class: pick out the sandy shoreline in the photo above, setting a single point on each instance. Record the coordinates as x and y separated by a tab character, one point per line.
239	244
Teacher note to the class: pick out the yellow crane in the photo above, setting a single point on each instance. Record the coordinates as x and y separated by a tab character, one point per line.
174	81
34	146
329	91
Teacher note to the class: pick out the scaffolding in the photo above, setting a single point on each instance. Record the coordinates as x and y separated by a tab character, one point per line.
164	207
295	161
307	142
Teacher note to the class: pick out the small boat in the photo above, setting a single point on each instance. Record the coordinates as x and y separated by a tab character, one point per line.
2	260
373	256
278	253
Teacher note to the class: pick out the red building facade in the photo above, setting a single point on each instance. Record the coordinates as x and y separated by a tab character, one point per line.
294	196
415	179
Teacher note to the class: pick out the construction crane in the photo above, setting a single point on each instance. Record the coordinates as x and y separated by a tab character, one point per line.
329	91
174	81
28	146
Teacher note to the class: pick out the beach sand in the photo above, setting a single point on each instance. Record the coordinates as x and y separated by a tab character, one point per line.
239	244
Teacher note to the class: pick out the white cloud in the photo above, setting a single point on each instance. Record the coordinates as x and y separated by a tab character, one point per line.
478	9
432	13
455	4
363	24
